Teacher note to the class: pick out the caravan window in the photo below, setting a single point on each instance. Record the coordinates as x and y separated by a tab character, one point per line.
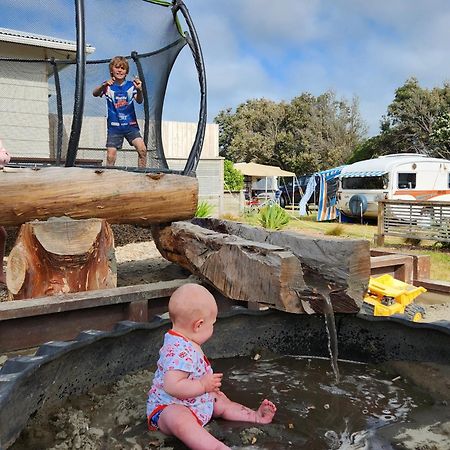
406	180
363	183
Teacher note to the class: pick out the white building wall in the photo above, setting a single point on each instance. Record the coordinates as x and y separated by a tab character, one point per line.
24	106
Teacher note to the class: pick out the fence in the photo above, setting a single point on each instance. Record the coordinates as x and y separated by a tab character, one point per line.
413	219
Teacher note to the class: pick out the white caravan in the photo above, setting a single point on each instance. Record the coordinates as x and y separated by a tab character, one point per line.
404	176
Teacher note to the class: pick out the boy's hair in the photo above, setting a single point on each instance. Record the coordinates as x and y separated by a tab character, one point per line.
119	61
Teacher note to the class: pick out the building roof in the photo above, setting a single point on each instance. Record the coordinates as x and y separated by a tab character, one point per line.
37	40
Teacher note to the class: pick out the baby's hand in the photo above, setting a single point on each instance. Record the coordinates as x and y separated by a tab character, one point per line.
212	382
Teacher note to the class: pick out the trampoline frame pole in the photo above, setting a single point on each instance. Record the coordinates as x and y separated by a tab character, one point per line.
194	44
135	57
59	109
78	106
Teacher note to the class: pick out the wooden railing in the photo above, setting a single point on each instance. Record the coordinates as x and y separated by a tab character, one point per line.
413	219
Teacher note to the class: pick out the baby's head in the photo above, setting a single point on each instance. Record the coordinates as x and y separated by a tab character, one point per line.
193	311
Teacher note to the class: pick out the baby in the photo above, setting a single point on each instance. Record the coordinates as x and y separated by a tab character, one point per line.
186	393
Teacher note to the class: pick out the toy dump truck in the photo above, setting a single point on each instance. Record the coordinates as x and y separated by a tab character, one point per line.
387	296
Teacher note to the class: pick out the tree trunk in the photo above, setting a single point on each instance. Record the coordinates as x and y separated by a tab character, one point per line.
80	193
285	270
59	256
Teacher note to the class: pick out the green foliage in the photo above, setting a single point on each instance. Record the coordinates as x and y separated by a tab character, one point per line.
273	217
417	120
336	230
305	135
415	242
440	135
232	178
204	209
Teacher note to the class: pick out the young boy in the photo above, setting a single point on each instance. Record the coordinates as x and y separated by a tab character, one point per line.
122	123
186	393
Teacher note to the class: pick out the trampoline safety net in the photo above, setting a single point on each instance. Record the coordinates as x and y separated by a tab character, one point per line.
41	76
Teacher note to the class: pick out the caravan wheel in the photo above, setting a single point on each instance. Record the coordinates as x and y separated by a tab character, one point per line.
357	204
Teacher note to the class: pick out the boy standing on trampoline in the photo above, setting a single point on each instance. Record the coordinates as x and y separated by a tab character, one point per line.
185	393
122	123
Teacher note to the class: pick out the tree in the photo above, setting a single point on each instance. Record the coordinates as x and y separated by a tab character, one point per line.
305	135
233	179
440	136
252	133
416	121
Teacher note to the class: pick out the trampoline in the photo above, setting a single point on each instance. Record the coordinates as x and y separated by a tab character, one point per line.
64	121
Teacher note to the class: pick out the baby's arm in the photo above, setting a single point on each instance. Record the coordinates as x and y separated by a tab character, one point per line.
178	384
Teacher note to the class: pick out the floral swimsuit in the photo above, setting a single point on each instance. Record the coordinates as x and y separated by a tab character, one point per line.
178	353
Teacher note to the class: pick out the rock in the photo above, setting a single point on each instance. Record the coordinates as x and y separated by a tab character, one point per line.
96	432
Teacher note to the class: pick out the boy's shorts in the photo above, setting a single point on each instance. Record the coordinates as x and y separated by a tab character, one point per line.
115	140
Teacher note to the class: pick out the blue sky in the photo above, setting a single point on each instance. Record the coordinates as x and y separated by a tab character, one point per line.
277	50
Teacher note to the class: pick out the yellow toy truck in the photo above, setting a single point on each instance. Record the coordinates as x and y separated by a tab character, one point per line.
387	296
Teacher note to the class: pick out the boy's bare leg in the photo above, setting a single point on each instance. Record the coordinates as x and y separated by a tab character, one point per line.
111	155
139	145
229	410
178	421
2	254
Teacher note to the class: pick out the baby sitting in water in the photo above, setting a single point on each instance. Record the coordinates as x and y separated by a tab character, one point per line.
186	393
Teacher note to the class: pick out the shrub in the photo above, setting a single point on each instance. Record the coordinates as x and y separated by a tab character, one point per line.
273	217
204	209
337	230
233	179
412	241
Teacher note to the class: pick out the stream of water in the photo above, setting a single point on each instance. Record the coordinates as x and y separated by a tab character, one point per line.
330	325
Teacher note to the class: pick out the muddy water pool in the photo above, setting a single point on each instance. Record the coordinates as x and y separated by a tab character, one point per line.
371	407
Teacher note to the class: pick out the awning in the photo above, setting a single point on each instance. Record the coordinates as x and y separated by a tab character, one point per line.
373	173
260	170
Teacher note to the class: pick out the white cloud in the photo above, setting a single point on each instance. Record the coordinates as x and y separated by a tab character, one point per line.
263	48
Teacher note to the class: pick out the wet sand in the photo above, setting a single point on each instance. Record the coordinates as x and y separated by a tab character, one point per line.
370	408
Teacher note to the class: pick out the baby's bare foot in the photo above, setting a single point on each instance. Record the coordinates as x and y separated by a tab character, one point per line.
265	412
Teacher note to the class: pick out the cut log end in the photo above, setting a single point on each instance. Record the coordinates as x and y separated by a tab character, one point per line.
60	256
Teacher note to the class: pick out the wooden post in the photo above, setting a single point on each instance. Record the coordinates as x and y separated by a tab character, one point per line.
379	237
61	255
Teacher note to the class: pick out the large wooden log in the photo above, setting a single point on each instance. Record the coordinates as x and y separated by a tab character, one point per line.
285	270
60	256
115	195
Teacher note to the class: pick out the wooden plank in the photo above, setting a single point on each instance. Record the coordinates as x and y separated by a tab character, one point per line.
400	267
434	285
85	300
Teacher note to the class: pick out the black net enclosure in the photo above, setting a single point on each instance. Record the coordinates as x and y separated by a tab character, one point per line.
60	101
